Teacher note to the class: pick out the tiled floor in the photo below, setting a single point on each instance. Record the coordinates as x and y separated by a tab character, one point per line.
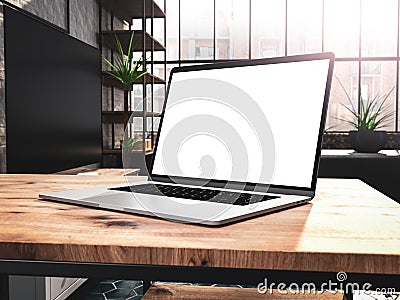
111	290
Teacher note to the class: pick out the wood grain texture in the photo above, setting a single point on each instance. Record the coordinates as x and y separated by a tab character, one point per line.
100	171
348	227
188	292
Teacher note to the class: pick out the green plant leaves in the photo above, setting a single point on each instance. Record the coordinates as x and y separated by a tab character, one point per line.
128	144
373	113
125	69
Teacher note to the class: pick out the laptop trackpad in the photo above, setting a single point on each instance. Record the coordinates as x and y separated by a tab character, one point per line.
159	205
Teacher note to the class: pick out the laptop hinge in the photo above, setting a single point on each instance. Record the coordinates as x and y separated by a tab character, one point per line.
239	187
288	191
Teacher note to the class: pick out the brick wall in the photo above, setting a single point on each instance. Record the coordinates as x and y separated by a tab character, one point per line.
109	23
84	20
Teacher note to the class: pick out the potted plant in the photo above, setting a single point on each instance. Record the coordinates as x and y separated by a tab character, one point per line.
128	144
372	115
131	144
125	69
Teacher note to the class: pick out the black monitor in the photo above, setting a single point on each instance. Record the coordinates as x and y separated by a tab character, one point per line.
53	97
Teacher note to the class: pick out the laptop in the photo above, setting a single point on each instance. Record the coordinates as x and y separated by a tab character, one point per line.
235	140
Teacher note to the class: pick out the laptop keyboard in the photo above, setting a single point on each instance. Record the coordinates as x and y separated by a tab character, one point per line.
235	198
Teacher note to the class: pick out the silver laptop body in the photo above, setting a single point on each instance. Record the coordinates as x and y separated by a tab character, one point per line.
239	131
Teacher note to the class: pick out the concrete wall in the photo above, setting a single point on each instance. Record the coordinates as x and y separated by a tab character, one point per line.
83	24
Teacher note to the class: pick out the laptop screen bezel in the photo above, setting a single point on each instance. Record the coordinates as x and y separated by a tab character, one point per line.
272	188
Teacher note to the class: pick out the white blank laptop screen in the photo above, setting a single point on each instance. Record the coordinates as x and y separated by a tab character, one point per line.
289	95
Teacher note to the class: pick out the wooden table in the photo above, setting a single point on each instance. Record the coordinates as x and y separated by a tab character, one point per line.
348	227
100	171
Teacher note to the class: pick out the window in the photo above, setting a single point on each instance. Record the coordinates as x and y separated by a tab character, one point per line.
268	28
232	29
197	28
304	36
363	34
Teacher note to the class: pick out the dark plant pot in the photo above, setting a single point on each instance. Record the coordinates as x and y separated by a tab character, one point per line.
135	160
367	141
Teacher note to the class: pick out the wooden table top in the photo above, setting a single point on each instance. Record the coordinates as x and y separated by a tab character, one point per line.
348	227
